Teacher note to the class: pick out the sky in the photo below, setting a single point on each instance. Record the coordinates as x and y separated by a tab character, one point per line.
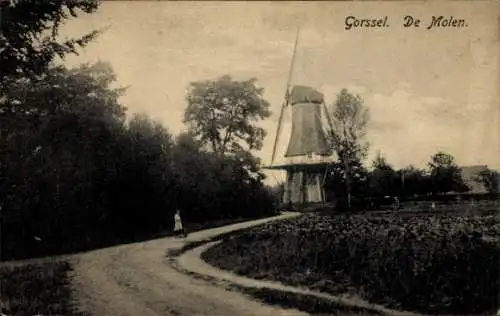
426	90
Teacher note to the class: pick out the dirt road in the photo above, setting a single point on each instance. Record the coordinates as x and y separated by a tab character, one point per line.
136	280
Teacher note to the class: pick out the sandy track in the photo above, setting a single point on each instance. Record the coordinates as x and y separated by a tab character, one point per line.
136	280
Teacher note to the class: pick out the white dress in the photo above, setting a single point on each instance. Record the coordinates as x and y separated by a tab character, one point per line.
178	223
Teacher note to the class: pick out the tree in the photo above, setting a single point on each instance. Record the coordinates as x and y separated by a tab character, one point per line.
490	179
211	186
146	185
445	174
65	141
222	114
29	35
346	133
60	94
414	181
383	178
335	182
66	90
28	44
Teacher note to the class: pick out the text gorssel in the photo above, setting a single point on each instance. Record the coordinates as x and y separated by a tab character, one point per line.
352	21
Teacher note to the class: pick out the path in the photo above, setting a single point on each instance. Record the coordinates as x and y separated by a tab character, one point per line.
135	280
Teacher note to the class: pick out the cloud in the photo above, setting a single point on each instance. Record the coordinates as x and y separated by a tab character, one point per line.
408	129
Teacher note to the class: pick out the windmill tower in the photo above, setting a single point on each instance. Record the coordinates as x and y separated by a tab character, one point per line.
307	156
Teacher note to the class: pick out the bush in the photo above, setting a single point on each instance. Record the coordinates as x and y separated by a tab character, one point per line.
428	264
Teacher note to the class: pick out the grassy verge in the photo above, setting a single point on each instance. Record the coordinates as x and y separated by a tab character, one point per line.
36	289
428	264
194	227
306	303
195	244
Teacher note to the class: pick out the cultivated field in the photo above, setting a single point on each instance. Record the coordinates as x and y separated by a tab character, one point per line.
444	262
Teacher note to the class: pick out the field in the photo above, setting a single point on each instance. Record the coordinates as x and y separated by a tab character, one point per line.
444	263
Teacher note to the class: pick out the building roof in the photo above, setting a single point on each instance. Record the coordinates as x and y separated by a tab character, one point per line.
470	175
305	94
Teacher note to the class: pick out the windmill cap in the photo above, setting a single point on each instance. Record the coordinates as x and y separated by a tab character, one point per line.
305	94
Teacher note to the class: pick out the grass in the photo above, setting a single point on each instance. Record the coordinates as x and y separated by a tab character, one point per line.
307	303
36	289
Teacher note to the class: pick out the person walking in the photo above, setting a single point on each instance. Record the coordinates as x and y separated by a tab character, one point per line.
178	228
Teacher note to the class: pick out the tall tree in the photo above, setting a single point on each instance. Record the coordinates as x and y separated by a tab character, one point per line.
66	142
223	114
29	42
445	174
29	35
147	182
348	121
82	90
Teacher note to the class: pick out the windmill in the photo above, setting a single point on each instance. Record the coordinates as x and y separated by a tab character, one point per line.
308	155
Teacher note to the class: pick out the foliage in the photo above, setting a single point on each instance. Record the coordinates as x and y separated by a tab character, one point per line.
335	183
445	174
214	187
346	132
414	182
430	264
84	90
442	176
383	179
222	114
29	39
50	156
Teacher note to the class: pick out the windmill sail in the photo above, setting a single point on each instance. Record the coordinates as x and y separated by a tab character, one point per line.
286	99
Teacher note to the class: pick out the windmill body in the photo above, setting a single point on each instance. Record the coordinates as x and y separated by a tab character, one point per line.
307	156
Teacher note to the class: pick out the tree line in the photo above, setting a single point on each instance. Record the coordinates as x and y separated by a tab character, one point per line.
349	177
78	172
